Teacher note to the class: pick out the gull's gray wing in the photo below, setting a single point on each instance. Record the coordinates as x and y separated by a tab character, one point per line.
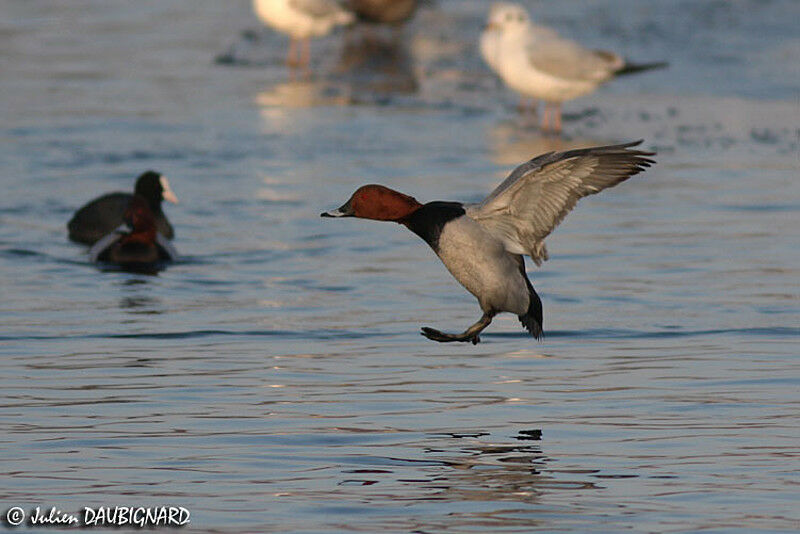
537	195
549	52
317	8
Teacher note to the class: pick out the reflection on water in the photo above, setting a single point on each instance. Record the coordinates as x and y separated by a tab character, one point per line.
513	142
375	65
368	69
496	472
274	379
141	304
301	94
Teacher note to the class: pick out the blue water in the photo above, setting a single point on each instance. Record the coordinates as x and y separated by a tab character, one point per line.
274	378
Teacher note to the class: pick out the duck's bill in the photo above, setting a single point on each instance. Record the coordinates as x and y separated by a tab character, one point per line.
167	193
344	211
334	213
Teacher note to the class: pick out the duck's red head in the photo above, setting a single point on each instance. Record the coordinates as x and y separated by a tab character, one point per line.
378	203
140	218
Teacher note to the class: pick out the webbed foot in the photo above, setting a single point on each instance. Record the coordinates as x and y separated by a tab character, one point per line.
442	337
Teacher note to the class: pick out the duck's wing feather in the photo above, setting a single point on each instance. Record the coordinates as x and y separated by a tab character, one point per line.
105	242
537	195
167	248
558	56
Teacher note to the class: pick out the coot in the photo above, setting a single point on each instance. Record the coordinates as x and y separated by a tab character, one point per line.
103	214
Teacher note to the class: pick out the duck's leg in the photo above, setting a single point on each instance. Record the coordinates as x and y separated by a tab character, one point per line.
470	334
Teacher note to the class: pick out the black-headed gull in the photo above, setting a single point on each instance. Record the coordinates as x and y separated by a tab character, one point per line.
301	20
538	63
490	46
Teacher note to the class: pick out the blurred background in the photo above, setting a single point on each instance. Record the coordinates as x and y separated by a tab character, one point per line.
274	378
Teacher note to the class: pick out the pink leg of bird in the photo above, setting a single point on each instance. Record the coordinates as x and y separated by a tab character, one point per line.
546	117
305	61
292	52
557	120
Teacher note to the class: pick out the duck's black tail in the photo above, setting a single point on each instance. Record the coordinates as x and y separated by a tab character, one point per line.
532	320
632	68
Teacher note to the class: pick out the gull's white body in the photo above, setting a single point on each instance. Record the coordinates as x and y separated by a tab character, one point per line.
490	48
521	75
537	62
302	19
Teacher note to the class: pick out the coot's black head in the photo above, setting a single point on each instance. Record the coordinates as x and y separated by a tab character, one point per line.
154	188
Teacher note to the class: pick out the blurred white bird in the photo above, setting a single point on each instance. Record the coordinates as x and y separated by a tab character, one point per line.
301	20
538	63
490	39
490	45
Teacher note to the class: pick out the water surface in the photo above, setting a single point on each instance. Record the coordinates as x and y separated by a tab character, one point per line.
274	379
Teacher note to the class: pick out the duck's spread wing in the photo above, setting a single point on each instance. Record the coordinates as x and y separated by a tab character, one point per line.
537	195
550	53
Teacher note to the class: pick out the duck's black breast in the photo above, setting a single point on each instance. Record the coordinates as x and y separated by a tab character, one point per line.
131	253
103	215
428	221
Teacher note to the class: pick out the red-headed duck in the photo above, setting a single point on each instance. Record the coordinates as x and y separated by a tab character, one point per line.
104	214
136	244
482	244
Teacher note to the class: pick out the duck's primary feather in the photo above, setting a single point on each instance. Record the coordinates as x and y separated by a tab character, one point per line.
537	195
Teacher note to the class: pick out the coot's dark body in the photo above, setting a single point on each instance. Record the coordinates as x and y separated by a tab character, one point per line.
104	214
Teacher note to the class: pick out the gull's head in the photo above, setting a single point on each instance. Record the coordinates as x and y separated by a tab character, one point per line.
508	17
